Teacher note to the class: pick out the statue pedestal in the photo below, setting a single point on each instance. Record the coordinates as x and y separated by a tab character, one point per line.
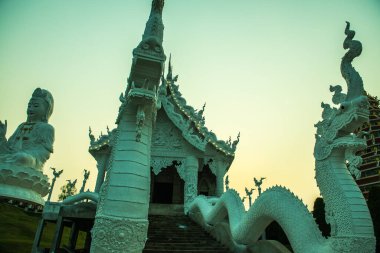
21	183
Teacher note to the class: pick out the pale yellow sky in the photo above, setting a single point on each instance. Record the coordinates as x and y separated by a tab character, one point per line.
263	67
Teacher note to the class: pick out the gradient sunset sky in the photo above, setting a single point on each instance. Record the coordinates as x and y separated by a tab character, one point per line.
262	67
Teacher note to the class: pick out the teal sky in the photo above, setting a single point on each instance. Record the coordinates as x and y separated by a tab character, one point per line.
263	67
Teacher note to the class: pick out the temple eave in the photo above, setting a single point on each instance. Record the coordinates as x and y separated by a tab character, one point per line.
196	118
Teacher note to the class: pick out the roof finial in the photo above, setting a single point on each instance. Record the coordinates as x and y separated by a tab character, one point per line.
169	76
154	27
158	6
92	137
235	142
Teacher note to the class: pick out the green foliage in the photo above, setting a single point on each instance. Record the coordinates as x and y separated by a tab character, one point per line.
374	208
319	216
18	228
66	191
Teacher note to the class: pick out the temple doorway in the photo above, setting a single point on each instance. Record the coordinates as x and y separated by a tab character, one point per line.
163	193
167	187
206	182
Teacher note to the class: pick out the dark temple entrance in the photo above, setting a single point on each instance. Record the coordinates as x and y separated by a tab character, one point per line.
166	187
163	194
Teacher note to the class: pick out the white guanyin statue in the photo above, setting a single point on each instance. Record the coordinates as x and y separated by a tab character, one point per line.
23	155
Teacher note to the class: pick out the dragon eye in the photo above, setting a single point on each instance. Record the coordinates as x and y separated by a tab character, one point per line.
342	107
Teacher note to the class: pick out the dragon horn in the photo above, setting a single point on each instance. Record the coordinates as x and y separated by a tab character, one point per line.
354	81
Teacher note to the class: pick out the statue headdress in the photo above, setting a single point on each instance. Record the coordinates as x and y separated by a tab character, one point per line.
48	98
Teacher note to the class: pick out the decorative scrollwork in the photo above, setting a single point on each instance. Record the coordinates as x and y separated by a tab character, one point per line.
159	163
140	118
116	235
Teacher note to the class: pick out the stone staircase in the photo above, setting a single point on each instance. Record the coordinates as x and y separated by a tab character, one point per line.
179	234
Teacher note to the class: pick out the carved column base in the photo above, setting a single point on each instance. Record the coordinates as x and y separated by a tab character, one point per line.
191	181
117	235
25	184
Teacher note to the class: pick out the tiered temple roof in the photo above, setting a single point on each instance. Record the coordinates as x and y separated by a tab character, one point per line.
370	168
195	119
190	121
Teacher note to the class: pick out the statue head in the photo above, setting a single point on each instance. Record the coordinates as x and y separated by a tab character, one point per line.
40	106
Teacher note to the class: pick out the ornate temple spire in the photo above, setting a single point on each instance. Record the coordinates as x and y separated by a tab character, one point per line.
151	44
154	27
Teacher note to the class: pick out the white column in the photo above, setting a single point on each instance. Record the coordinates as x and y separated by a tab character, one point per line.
191	181
219	181
218	168
101	164
121	221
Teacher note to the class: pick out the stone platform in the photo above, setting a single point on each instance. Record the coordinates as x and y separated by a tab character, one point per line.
24	184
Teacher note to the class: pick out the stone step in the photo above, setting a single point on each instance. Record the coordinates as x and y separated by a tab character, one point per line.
179	234
181	251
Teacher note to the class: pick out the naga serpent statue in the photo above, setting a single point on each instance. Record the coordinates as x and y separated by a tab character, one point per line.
335	161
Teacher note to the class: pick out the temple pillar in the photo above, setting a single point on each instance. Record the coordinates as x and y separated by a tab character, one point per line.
219	183
101	165
121	220
57	235
218	168
73	235
220	172
191	181
37	237
87	242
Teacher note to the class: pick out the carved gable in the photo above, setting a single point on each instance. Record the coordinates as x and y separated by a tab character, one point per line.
167	139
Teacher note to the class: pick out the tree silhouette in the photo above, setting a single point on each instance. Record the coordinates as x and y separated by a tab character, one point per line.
374	207
67	190
319	216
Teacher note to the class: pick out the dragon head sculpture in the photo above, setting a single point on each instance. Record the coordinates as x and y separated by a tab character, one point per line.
338	124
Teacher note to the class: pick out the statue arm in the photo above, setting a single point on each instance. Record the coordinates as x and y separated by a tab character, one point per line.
45	137
6	145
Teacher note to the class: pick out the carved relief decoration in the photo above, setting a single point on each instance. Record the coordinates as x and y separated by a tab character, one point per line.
140	118
159	163
191	189
167	137
181	170
116	235
187	115
105	185
183	124
218	167
354	162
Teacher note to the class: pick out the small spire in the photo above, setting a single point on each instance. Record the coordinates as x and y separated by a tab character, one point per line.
151	43
90	135
169	76
158	6
204	106
154	27
235	142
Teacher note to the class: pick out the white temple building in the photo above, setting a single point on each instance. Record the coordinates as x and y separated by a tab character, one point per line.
186	158
161	162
